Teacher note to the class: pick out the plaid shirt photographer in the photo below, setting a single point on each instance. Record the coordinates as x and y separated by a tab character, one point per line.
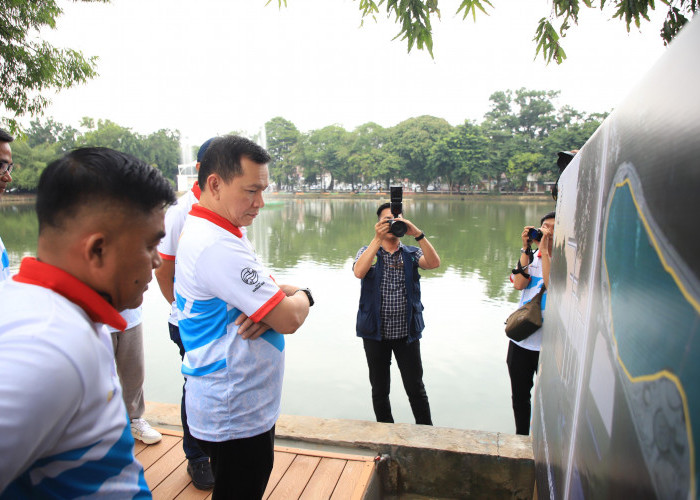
390	312
393	291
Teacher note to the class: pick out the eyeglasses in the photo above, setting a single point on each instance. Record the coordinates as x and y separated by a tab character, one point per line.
5	167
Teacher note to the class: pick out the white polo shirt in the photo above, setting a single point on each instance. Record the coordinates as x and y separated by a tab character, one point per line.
63	425
234	386
4	262
174	220
534	341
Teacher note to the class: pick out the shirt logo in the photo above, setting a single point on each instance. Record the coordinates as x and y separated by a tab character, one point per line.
249	276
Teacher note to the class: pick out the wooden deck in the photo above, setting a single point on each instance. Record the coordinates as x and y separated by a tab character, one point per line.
297	473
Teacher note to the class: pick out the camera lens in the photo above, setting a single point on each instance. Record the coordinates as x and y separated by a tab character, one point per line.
398	228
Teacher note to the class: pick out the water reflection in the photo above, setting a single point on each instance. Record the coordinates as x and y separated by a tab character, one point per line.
473	237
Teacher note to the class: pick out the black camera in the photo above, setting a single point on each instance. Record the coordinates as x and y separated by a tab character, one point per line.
534	234
397	227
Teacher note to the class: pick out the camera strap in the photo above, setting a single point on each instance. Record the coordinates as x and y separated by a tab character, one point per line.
520	270
530	253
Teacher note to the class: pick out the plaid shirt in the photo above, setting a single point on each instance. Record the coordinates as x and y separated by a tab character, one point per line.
393	291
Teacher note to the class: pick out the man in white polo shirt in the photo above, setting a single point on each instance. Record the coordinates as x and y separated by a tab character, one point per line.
5	178
63	426
231	315
198	466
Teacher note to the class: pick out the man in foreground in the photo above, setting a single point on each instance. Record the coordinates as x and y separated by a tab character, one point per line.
390	317
198	465
530	275
5	178
231	315
62	419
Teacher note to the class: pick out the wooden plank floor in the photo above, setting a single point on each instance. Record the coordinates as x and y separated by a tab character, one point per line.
297	473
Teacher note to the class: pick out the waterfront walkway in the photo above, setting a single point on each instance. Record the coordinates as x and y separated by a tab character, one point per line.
297	473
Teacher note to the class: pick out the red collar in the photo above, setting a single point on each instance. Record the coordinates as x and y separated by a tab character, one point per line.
34	272
214	218
196	190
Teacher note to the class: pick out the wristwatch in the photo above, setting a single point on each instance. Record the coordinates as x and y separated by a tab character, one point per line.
308	294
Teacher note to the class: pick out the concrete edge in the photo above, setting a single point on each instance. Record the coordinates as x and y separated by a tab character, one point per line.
436	461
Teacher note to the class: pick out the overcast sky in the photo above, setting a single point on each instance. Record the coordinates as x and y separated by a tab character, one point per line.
208	67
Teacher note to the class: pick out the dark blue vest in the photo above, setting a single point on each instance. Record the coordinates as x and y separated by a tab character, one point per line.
368	315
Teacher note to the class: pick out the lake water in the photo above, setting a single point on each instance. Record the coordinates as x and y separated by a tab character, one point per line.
312	243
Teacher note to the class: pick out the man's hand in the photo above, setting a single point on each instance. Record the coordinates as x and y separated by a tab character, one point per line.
248	329
412	229
525	236
545	242
381	228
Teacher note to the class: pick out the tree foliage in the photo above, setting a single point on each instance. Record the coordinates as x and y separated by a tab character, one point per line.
29	66
520	135
414	18
282	136
45	141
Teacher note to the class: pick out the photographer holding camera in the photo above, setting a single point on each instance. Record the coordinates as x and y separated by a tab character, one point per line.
530	275
390	317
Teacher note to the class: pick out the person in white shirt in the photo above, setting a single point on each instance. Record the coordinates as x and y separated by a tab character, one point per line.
531	274
5	178
231	316
63	426
198	465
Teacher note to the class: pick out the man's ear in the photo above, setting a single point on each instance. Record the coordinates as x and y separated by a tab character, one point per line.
214	183
94	250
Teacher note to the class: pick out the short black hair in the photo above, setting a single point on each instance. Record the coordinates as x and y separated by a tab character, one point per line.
223	156
382	207
5	136
98	176
546	216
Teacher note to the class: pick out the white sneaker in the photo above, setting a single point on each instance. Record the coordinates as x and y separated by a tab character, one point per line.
142	431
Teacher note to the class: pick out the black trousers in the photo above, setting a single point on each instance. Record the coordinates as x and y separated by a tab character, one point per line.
522	366
408	359
241	467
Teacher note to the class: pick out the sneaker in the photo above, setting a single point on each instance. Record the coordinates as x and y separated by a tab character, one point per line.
201	474
142	431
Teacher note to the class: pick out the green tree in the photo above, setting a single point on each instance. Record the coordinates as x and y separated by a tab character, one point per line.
106	133
51	132
461	157
367	155
282	137
571	135
162	150
30	162
329	149
412	141
415	19
499	126
29	68
520	165
536	112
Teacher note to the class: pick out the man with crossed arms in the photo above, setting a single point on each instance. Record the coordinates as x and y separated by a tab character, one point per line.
232	315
